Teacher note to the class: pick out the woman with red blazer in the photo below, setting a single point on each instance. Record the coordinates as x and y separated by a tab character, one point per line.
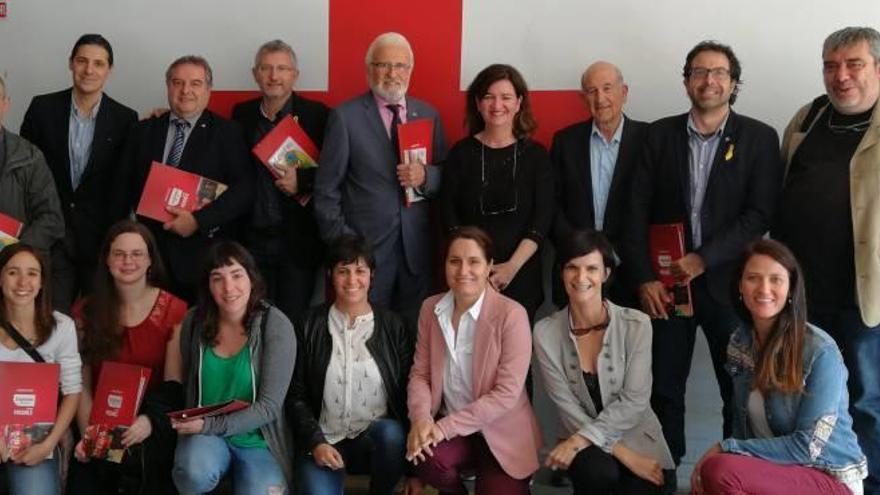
466	398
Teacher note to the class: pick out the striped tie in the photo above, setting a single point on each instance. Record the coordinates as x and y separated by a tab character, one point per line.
177	145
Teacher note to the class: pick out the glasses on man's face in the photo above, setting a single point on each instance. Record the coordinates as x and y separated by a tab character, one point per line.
388	66
720	73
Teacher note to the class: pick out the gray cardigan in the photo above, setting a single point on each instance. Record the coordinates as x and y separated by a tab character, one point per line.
624	368
273	353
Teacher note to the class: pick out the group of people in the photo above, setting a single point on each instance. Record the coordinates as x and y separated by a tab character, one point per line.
383	379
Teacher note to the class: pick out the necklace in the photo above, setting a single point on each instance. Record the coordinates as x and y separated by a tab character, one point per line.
580	332
845	128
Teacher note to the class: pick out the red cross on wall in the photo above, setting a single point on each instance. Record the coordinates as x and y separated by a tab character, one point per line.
433	27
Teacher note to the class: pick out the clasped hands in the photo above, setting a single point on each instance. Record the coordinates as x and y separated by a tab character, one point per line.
423	436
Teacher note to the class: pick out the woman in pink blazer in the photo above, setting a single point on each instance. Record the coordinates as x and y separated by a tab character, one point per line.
466	397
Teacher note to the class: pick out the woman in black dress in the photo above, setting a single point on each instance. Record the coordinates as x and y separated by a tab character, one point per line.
500	180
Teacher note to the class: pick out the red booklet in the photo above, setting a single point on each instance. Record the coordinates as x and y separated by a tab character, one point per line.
170	186
287	144
28	404
415	138
667	245
117	398
10	230
207	411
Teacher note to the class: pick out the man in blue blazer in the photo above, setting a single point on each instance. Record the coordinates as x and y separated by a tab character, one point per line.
359	187
719	174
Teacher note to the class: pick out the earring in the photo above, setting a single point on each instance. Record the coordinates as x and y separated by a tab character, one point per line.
740	296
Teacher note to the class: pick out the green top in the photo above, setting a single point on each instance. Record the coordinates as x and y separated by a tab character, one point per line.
225	379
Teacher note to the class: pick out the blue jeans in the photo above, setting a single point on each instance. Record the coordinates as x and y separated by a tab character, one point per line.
201	461
379	451
41	479
860	346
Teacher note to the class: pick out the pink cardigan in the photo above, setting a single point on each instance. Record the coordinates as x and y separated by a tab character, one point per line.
501	409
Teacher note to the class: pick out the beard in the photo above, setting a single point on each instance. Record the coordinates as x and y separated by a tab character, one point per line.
392	94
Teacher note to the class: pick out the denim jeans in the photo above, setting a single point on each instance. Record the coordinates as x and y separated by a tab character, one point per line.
379	451
201	461
860	346
41	479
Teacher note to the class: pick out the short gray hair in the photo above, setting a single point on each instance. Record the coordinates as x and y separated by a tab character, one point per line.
273	47
191	60
390	38
852	35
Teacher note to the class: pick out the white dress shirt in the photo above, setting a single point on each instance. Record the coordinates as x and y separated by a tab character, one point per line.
458	389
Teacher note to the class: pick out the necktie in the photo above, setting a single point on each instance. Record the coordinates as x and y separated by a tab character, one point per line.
177	145
395	121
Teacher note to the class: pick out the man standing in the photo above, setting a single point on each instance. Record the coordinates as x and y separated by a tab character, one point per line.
359	184
593	162
718	174
81	131
830	217
196	140
282	234
27	192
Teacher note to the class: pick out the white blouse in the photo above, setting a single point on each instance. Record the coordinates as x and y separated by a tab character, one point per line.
59	348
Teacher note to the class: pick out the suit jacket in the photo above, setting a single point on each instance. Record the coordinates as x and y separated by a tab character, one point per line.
86	214
570	154
741	195
624	381
500	411
356	187
215	149
300	230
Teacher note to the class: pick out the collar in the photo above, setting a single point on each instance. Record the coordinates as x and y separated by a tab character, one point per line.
693	132
192	120
342	319
92	116
446	304
286	109
615	138
382	102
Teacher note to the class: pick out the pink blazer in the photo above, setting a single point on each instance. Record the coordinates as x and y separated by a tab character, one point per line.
501	409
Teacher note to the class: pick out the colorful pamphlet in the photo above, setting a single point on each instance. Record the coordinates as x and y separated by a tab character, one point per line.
667	245
170	186
10	230
415	138
28	404
208	411
117	398
287	144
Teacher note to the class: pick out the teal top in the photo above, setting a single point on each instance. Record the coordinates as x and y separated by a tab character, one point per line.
229	378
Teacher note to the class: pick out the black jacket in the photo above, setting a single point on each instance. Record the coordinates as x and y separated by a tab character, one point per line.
392	347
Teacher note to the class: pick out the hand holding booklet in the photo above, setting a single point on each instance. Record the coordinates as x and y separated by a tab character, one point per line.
208	411
287	145
667	245
118	396
28	404
169	186
416	138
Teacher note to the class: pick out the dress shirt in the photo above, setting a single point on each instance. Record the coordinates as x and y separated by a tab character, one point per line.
458	389
354	394
169	137
603	157
702	154
387	115
81	131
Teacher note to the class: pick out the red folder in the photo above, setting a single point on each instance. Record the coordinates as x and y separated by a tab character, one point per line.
416	138
170	186
286	144
207	411
28	404
117	398
10	230
667	245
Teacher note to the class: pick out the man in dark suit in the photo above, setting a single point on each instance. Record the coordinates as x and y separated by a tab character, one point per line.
593	162
719	175
282	234
359	185
81	131
196	140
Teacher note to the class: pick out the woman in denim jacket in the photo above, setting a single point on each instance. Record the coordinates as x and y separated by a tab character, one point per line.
792	432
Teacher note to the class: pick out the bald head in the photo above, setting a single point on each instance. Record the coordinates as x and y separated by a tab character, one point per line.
604	93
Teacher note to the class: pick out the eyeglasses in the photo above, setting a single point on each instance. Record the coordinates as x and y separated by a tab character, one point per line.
266	68
388	66
702	73
119	255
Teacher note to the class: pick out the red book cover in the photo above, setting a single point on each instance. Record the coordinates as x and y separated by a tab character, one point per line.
415	138
117	398
28	404
170	186
667	245
287	144
10	230
207	411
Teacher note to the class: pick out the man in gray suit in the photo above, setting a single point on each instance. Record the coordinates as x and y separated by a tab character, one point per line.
360	183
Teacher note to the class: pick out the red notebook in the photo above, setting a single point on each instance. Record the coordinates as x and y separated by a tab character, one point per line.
117	398
10	230
28	404
415	138
170	186
286	144
207	411
667	245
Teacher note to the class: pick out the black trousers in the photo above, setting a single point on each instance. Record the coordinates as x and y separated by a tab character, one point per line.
595	472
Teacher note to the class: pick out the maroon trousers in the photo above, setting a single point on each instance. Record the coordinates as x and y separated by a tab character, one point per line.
443	469
732	474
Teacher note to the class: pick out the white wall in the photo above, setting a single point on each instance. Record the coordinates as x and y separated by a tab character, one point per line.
551	41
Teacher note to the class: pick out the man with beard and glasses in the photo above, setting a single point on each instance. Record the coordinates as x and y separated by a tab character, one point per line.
359	186
718	174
